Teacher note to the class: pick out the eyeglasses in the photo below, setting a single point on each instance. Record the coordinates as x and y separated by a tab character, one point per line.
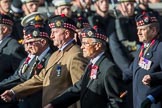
32	42
88	44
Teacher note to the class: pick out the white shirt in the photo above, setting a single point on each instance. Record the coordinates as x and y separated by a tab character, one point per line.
94	60
62	48
40	57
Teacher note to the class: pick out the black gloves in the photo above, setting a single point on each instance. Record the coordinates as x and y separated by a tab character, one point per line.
146	103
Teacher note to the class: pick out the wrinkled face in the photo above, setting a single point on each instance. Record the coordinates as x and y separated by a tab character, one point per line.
64	10
58	36
30	7
103	5
5	5
33	46
89	47
146	33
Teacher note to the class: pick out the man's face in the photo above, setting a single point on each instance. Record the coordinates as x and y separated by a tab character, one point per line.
30	7
103	5
58	36
145	33
88	47
33	46
64	10
5	6
126	8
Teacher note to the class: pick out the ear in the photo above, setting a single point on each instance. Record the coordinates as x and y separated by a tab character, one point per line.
98	46
154	30
43	42
23	7
67	33
4	29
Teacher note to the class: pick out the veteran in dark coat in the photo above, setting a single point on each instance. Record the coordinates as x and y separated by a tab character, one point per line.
11	52
101	85
146	60
37	42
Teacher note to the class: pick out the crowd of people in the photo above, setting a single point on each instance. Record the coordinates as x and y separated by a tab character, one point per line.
76	57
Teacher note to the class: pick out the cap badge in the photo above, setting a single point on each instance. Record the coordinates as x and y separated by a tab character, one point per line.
90	33
38	18
58	23
35	33
79	25
146	19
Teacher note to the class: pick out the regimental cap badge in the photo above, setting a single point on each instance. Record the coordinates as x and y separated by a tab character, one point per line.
58	23
79	25
90	33
146	19
35	33
38	18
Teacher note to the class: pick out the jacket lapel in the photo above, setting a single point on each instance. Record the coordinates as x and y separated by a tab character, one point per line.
87	81
59	54
148	55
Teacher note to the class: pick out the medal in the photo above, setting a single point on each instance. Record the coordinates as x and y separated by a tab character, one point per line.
145	63
93	74
58	70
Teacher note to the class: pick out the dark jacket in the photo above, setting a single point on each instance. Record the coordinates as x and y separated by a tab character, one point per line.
102	92
11	54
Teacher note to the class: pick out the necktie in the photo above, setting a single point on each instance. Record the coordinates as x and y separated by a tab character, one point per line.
93	74
25	65
27	60
34	65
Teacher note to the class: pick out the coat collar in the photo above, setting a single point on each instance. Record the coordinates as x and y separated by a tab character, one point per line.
152	49
4	42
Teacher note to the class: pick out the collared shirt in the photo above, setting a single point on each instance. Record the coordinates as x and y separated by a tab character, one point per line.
62	48
0	41
31	57
93	61
40	57
146	45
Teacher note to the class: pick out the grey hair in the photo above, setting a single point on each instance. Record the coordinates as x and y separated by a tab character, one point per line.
100	41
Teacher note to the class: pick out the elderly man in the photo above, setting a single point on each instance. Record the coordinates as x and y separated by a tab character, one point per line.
146	60
11	53
101	85
63	69
37	42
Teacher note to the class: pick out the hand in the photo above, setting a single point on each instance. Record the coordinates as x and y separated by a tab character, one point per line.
146	80
146	103
7	95
48	106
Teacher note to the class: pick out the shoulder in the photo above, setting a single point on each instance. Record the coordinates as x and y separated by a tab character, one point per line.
75	49
14	42
108	67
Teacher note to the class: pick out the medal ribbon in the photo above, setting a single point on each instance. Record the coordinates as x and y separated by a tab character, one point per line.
143	48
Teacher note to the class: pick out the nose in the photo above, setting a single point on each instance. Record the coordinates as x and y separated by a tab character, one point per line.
82	46
52	36
138	31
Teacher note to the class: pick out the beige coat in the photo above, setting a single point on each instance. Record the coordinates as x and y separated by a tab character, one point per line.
72	64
